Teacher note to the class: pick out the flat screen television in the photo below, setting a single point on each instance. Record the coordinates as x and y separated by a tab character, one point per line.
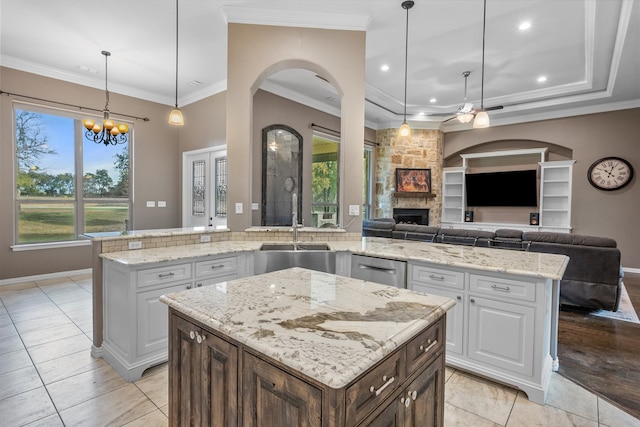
511	188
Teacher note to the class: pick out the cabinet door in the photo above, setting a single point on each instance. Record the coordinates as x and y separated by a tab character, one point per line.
184	374
425	395
152	320
219	376
455	316
203	382
501	334
275	398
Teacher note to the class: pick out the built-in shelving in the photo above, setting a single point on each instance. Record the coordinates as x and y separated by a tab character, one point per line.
555	194
453	195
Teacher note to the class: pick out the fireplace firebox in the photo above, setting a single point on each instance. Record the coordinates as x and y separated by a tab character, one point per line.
411	216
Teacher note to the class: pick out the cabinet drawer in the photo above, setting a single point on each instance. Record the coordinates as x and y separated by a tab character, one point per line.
504	288
170	273
423	347
374	387
437	276
217	267
215	279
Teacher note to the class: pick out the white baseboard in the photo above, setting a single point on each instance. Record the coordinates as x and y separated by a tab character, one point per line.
55	275
631	270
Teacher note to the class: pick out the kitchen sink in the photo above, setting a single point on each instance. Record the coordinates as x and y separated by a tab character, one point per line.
278	256
306	246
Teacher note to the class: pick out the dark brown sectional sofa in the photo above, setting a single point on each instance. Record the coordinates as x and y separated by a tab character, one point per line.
593	279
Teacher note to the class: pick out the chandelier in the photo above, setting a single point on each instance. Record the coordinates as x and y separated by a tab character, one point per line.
405	129
107	133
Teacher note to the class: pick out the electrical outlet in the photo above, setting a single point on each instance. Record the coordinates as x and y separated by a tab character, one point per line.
354	210
162	203
205	238
255	206
238	208
151	203
135	245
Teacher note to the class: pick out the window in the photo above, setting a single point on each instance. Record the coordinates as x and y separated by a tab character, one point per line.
53	161
324	180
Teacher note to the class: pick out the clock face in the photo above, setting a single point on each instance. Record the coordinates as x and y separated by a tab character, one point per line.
289	183
610	173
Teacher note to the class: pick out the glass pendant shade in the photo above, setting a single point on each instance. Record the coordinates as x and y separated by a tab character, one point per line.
465	118
175	117
482	120
404	131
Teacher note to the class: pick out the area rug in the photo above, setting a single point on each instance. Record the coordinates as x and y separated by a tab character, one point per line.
626	311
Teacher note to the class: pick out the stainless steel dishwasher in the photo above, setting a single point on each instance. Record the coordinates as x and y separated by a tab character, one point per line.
379	270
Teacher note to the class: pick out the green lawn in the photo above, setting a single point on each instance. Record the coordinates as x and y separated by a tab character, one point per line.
48	222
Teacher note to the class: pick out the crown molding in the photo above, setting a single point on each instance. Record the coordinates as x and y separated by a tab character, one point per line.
295	18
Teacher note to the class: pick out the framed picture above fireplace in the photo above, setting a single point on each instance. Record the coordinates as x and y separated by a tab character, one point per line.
413	182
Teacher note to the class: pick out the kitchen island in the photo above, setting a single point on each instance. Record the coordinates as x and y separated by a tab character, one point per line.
300	347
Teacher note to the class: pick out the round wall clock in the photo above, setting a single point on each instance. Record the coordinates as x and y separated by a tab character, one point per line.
610	173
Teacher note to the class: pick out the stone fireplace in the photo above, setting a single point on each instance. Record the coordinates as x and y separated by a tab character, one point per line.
424	150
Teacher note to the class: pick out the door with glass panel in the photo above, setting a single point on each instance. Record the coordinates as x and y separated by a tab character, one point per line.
204	188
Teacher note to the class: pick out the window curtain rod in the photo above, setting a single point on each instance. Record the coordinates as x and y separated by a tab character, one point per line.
79	107
336	132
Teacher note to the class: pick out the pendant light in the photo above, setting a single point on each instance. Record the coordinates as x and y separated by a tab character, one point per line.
175	117
405	129
482	118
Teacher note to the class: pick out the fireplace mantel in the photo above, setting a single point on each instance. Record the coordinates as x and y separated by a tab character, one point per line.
414	194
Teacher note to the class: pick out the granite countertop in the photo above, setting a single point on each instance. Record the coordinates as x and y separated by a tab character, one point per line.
532	264
329	327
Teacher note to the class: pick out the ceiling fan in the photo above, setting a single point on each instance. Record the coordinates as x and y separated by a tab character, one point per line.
466	112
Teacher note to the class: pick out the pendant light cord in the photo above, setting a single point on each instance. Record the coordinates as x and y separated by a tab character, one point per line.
106	79
484	23
176	54
406	56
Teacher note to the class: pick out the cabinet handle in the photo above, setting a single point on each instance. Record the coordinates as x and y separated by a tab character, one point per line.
199	285
372	389
373	267
192	335
500	288
406	402
472	299
413	394
213	267
165	275
459	298
200	338
435	277
429	347
189	286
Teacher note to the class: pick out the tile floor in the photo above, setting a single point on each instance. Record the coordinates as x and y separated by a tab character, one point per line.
48	377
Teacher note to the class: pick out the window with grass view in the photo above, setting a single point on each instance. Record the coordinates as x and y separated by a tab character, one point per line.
65	185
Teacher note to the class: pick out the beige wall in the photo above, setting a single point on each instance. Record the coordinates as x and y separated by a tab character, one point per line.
587	138
155	168
257	51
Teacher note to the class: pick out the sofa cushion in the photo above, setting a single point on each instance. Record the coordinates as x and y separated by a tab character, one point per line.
457	236
378	227
569	239
415	232
509	233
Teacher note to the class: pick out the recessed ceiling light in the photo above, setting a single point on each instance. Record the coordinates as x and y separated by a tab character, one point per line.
384	67
542	79
524	25
432	100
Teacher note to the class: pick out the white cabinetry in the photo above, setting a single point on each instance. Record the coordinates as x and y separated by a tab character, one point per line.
135	321
453	195
555	195
500	326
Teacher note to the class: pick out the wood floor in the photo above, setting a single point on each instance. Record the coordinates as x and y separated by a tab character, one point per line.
603	355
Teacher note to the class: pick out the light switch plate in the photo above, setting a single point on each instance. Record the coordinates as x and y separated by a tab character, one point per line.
255	206
238	208
354	210
151	204
162	203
